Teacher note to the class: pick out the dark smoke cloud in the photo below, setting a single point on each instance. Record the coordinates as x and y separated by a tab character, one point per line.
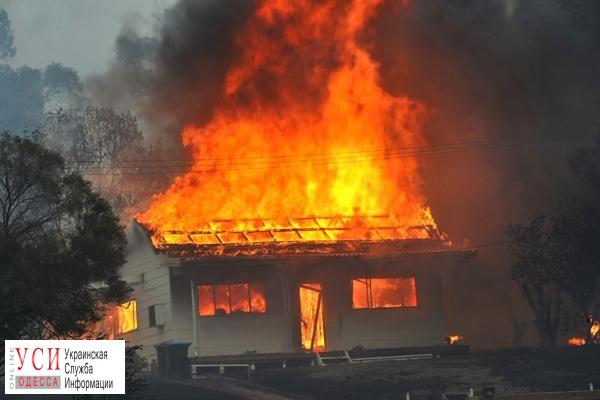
487	70
195	50
493	70
176	76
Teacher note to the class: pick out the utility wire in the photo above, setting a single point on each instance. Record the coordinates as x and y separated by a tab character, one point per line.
314	155
202	168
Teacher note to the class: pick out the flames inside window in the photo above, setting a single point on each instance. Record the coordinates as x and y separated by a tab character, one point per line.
121	319
383	293
231	299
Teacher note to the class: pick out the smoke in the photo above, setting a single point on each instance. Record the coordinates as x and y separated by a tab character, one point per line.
176	76
507	70
496	70
522	71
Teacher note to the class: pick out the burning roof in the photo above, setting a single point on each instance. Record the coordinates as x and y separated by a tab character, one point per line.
301	128
336	235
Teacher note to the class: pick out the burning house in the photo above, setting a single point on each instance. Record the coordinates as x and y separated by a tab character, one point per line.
289	289
299	223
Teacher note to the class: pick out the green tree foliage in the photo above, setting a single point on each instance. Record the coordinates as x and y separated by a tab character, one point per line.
61	246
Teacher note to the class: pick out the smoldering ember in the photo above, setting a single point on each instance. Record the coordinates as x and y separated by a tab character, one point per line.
302	199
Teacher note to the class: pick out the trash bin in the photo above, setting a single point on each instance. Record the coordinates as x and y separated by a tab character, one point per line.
173	360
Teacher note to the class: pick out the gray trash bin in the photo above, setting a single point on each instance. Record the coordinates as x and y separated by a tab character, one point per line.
173	360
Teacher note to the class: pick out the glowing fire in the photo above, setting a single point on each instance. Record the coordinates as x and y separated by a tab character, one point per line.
311	317
454	339
231	299
302	128
576	341
384	293
594	334
120	319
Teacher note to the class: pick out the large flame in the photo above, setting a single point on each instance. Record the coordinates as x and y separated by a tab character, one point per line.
303	128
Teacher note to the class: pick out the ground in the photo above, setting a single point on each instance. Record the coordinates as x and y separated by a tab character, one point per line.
508	371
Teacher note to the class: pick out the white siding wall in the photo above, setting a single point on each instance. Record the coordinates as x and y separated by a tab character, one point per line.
182	316
157	279
241	333
346	328
148	274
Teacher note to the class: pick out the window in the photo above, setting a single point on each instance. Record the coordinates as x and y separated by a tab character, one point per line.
121	319
156	315
231	299
383	293
151	316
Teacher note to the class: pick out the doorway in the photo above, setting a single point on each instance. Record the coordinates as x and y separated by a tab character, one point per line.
311	317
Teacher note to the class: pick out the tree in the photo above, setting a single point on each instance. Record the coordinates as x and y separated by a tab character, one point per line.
536	271
577	228
95	135
21	98
557	253
26	93
7	49
95	141
61	88
61	246
108	149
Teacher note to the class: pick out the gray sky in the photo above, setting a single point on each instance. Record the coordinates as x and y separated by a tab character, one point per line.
77	33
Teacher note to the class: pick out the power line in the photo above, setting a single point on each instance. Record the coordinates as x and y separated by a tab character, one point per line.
316	156
166	169
313	155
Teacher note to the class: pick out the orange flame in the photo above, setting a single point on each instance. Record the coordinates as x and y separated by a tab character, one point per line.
594	334
453	339
595	329
384	293
311	317
576	341
231	299
120	319
303	128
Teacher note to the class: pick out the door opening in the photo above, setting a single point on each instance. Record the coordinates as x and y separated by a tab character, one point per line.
311	317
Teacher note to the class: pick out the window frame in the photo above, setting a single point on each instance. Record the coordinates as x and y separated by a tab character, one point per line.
152	316
111	325
370	295
230	313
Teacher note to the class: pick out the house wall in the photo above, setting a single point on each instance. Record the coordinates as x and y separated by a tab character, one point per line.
182	309
346	328
157	279
148	274
422	325
242	333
